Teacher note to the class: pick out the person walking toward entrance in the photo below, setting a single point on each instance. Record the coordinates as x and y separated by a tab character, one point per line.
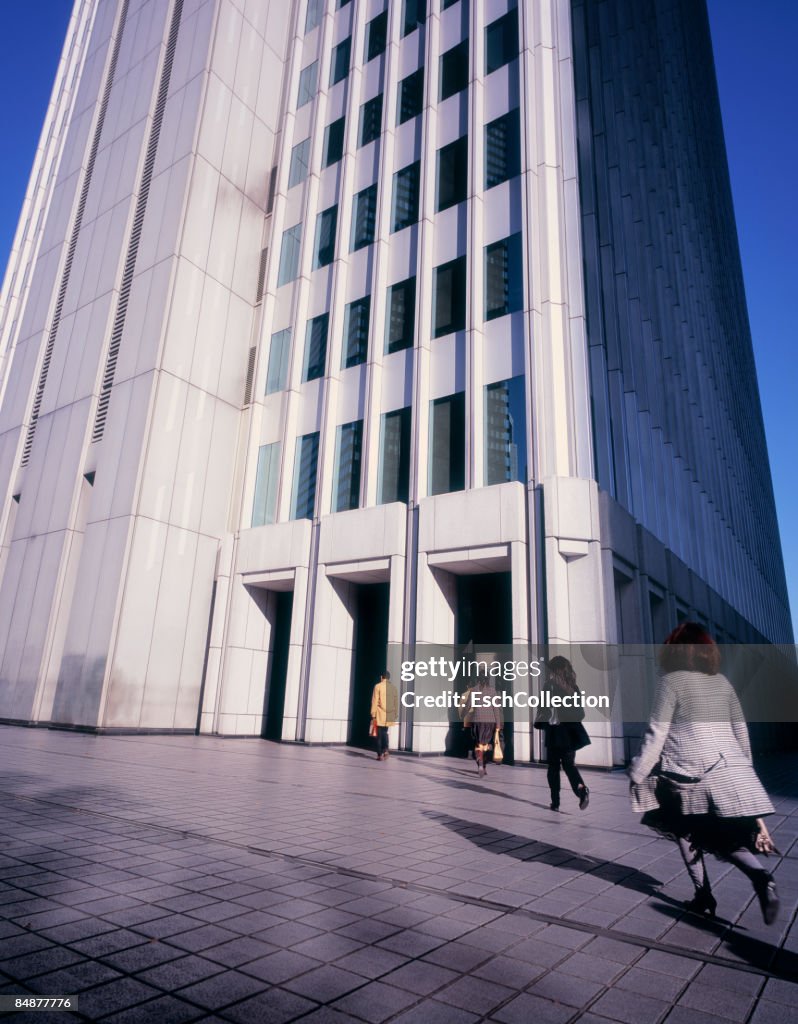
485	719
694	777
384	712
564	732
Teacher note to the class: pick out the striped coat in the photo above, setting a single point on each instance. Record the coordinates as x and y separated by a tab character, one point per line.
698	731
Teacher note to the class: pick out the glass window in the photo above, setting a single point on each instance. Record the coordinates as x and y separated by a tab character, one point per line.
307	83
306	462
395	456
348	445
400	315
333	142
501	41
298	168
504	283
376	36
342	3
447	3
315	347
264	504
503	148
289	255
326	226
447	444
415	14
411	96
339	68
505	431
277	370
313	14
364	217
405	197
357	317
449	297
370	120
454	70
452	181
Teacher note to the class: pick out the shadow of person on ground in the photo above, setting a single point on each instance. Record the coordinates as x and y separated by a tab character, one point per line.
523	848
782	963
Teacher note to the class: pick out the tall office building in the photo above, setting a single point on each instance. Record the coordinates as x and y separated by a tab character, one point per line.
337	322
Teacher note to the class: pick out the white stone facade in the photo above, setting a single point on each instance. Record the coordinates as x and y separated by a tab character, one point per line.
180	237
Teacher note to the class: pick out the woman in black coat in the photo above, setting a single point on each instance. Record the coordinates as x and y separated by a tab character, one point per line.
564	733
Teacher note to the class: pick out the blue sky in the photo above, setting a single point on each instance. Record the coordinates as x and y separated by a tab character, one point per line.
755	60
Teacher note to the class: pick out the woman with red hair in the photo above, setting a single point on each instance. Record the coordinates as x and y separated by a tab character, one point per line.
694	777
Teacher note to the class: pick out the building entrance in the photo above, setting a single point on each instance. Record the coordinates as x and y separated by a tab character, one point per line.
369	653
282	603
484	622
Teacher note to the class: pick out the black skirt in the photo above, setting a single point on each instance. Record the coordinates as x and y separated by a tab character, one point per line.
483	732
708	833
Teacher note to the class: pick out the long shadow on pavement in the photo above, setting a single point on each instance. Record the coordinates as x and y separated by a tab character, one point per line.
523	848
782	963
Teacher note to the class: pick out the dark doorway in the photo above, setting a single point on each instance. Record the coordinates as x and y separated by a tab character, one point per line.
484	610
485	621
274	703
369	653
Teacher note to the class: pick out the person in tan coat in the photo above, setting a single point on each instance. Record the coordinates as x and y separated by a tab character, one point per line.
384	712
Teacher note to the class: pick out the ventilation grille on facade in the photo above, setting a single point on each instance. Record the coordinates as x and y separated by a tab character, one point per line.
248	383
138	222
73	240
264	257
272	190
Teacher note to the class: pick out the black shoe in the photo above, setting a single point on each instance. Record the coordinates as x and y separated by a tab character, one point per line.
554	807
584	799
702	903
765	889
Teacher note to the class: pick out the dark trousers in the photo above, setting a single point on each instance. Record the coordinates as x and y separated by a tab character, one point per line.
562	759
382	739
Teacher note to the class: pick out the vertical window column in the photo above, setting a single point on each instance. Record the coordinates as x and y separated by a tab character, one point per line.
306	464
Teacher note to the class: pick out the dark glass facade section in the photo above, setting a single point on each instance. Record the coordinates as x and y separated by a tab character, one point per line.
349	445
454	70
452	177
411	96
664	292
449	297
333	142
306	464
326	227
400	315
316	347
501	41
505	431
504	280
447	444
448	3
356	332
341	56
376	36
413	15
364	217
503	148
371	120
405	197
300	159
395	456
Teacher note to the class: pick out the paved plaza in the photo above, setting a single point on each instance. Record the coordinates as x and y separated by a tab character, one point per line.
182	878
